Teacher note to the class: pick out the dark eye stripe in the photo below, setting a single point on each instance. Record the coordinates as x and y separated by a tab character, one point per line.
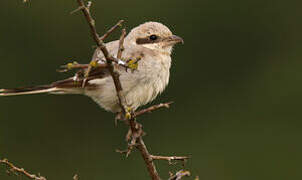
143	41
147	40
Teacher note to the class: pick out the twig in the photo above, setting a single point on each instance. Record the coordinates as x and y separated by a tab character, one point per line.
121	44
152	108
13	168
101	46
180	174
131	145
75	65
169	158
91	23
71	66
118	24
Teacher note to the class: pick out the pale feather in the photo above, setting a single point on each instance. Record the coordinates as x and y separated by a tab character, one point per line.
140	86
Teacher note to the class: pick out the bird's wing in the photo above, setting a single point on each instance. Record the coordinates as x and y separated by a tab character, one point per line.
79	78
95	73
75	84
112	48
99	73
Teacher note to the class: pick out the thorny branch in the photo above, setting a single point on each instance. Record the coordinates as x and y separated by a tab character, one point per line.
135	134
122	101
75	65
136	129
121	44
170	158
16	170
152	108
118	24
106	53
91	22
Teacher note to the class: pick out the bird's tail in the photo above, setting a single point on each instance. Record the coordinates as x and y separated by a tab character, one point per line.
28	90
67	86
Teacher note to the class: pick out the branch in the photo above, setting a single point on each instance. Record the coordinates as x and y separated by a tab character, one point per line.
93	64
152	108
86	11
170	158
135	134
75	65
14	169
118	24
103	48
118	87
147	158
121	44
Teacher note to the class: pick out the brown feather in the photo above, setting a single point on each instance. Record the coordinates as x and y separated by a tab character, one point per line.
70	85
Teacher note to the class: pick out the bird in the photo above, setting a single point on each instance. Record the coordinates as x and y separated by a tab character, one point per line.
151	41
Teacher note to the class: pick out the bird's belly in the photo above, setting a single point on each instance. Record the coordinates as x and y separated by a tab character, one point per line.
137	96
140	95
104	94
137	91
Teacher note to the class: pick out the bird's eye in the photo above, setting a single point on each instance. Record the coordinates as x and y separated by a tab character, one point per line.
153	37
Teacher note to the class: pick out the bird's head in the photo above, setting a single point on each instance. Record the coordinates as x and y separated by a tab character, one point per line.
155	36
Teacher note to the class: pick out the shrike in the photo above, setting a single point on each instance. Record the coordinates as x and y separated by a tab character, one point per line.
151	41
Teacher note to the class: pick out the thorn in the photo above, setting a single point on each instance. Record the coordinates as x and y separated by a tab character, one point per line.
89	3
84	82
128	153
77	9
75	177
170	174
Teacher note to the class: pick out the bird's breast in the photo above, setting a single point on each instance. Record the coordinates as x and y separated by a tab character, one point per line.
150	79
139	87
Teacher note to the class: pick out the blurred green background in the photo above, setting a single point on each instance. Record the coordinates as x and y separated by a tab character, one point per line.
236	83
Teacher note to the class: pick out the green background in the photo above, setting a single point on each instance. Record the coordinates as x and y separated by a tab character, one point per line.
236	83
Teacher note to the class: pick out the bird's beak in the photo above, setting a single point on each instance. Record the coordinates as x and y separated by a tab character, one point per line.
175	39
